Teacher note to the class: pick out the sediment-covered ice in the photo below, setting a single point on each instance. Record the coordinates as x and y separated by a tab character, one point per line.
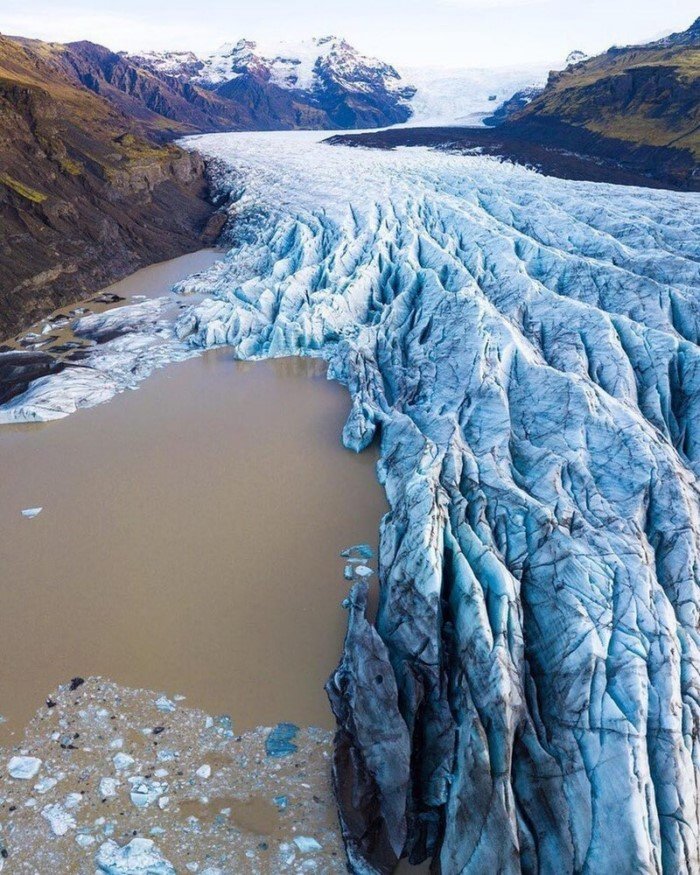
528	350
130	342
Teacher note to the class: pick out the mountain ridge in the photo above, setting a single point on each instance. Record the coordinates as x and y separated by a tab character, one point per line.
643	95
329	85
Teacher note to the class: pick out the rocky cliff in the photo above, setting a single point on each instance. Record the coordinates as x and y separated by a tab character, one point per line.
85	196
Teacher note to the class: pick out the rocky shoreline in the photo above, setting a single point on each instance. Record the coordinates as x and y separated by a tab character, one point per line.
108	778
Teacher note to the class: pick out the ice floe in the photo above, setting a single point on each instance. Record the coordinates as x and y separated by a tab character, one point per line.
24	768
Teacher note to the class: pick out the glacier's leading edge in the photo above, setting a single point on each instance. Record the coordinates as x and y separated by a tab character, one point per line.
526	351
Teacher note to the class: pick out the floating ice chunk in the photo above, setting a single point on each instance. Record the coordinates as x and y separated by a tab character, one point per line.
24	768
348	572
144	792
84	840
30	512
363	571
281	802
224	726
164	704
43	785
122	761
361	551
59	819
280	741
139	857
108	787
307	844
204	771
165	755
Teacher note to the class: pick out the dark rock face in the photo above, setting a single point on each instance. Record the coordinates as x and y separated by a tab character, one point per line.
85	199
371	765
513	105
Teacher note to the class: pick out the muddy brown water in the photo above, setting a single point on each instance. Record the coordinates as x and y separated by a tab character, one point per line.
189	540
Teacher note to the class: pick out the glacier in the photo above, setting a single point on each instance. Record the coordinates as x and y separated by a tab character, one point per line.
525	350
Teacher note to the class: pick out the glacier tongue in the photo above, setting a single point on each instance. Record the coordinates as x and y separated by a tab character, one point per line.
527	349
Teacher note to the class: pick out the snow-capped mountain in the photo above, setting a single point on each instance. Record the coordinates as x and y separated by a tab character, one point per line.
306	66
319	82
184	65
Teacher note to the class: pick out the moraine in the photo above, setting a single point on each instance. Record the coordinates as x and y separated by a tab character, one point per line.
526	349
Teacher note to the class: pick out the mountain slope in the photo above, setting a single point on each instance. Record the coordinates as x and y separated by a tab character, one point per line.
84	197
640	97
643	94
163	106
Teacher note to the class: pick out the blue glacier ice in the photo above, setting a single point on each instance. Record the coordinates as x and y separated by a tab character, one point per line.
526	351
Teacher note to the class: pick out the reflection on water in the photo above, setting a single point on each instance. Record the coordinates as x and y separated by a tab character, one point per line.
189	541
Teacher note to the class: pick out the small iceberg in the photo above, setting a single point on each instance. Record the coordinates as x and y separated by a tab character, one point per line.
24	768
280	741
358	551
139	857
30	512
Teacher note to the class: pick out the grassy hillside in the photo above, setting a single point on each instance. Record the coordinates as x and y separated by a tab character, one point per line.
643	95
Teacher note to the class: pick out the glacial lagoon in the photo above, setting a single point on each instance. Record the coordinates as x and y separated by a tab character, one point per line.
189	539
